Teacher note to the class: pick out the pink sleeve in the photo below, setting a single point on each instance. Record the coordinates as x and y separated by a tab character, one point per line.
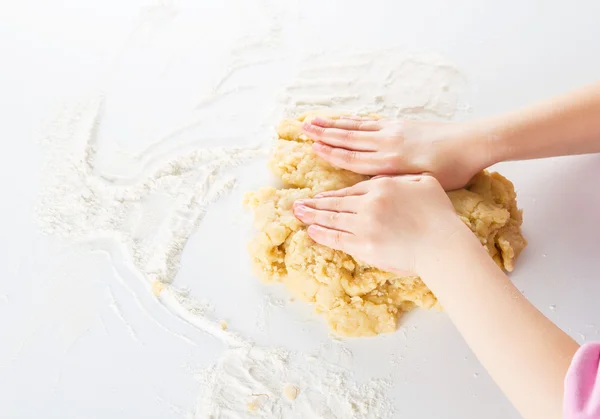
582	384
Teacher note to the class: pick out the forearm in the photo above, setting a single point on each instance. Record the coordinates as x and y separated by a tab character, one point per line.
566	125
524	352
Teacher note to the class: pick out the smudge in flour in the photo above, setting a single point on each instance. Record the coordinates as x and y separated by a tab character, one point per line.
114	306
150	216
251	379
388	82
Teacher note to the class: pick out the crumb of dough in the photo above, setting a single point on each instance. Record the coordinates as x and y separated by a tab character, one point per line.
252	406
157	287
255	402
290	391
357	299
224	325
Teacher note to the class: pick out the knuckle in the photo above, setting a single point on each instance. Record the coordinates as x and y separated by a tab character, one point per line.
397	159
337	238
324	149
350	156
334	217
429	181
377	203
386	183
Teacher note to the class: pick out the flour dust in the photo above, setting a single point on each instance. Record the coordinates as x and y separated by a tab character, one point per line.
257	381
151	215
386	82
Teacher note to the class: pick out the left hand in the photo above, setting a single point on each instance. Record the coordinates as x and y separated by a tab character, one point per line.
391	223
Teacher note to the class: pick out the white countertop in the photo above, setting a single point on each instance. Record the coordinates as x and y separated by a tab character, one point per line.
77	342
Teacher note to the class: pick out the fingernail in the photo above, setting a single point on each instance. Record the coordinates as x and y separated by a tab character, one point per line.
299	202
313	229
306	126
300	210
320	195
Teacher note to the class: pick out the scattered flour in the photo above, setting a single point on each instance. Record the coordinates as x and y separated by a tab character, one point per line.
265	310
150	216
386	82
254	380
142	224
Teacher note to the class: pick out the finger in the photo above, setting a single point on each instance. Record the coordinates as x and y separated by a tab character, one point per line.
339	240
348	124
363	162
355	140
341	221
404	178
359	118
347	204
360	188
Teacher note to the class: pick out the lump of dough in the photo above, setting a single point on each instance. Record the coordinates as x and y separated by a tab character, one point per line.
489	207
354	298
275	222
295	163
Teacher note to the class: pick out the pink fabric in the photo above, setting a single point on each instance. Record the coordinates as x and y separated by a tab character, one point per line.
582	384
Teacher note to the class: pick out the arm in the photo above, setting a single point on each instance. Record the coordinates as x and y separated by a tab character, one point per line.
566	125
525	353
407	224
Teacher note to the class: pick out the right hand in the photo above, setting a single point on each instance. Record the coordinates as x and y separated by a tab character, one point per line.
392	223
451	152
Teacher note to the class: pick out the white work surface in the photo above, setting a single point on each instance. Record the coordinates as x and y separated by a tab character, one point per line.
76	343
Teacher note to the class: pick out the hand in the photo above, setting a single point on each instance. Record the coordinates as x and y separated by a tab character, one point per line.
451	152
391	223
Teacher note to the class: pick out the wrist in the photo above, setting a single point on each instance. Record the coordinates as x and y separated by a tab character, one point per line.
451	252
485	144
497	136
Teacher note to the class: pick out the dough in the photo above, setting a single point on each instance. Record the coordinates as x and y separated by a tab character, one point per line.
357	299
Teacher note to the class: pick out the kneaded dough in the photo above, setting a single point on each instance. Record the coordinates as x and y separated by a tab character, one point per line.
357	299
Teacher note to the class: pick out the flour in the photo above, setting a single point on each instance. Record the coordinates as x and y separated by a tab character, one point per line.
386	82
144	220
252	380
142	223
114	306
265	311
150	216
